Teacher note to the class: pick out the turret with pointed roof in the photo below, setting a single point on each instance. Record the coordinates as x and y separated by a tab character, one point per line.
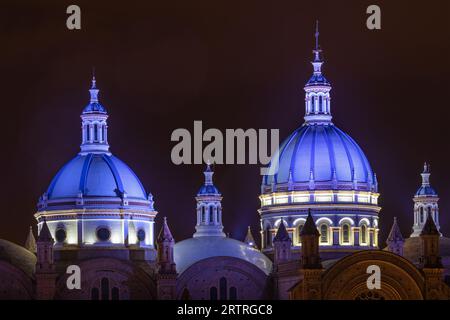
167	273
249	239
310	244
395	239
165	243
45	266
430	244
282	245
30	243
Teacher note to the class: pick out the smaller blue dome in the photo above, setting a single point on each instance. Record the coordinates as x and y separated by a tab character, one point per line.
94	107
426	191
190	251
318	79
208	189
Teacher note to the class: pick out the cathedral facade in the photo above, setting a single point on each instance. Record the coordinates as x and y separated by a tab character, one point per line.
319	228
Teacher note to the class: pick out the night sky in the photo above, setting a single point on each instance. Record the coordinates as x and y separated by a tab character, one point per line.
161	65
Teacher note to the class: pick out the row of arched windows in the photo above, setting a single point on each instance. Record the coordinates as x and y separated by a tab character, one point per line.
345	234
105	292
423	212
320	102
224	293
207	218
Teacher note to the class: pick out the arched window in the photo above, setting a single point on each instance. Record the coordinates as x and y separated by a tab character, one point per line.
104	285
363	234
223	288
312	104
233	293
421	217
429	210
346	233
320	104
268	237
203	214
298	230
95	295
323	233
95	133
213	293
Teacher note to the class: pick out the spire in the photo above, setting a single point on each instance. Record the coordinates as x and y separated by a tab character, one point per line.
45	235
165	234
208	174
317	99
309	229
317	48
395	234
282	234
249	238
165	244
94	134
30	243
426	174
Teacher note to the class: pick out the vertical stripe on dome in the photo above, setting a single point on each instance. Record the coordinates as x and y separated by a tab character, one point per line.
300	137
282	151
300	159
116	175
349	157
84	173
364	160
313	154
360	158
330	152
322	163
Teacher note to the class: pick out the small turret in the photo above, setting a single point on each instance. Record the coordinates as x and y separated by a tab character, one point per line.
45	267
282	245
430	244
167	274
249	239
310	244
395	239
30	243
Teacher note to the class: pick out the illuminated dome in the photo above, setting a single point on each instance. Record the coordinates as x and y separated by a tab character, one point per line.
325	156
320	169
96	199
190	251
96	175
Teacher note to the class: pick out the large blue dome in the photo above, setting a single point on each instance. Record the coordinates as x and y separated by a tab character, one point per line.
96	175
325	155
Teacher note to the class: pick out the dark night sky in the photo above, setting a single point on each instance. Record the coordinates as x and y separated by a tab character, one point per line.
161	65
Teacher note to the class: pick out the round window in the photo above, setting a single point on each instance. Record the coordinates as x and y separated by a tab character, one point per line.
60	235
103	234
141	235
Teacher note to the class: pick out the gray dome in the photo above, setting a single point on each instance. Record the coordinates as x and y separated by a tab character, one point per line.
190	251
17	256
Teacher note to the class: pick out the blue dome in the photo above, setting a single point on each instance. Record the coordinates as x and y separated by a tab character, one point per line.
325	155
317	79
94	107
208	189
96	175
190	251
426	191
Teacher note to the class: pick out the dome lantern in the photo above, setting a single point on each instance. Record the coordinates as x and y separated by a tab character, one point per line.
317	89
94	128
